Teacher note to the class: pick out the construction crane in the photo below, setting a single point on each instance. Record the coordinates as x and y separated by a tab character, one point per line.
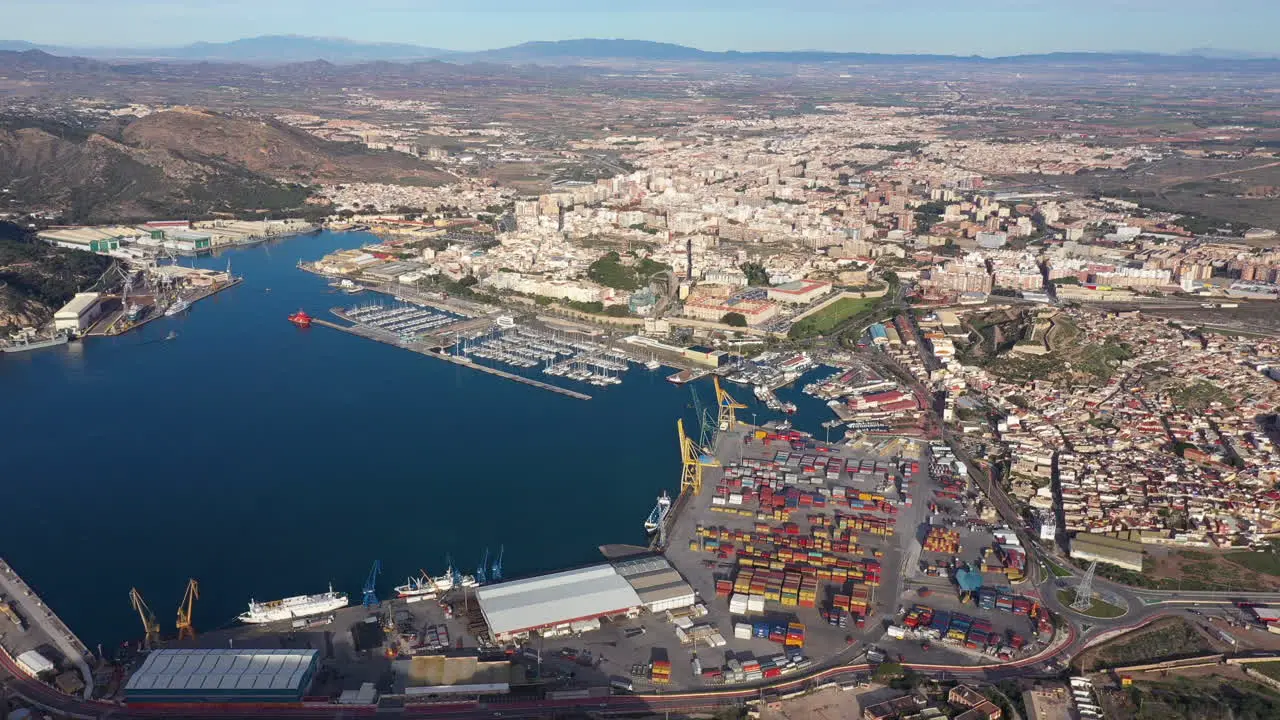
188	606
693	460
149	624
706	427
728	418
495	573
371	585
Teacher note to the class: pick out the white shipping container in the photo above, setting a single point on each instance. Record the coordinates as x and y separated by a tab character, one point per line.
682	636
717	500
755	604
742	631
735	498
897	632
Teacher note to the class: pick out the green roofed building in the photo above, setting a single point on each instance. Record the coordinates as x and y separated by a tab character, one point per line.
223	676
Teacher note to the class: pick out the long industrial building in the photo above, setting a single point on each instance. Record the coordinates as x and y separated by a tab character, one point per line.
559	603
223	675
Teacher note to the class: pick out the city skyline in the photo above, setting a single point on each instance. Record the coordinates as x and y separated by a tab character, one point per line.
1004	27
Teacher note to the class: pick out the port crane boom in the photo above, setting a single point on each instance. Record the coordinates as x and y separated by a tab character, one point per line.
728	418
371	584
150	626
185	610
693	460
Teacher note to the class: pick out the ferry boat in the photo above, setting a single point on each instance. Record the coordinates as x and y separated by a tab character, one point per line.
348	287
681	377
178	306
301	319
294	607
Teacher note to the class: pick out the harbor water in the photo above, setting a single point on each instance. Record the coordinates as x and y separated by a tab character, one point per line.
267	460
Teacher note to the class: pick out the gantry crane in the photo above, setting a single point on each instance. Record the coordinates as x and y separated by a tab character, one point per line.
693	460
728	419
149	624
185	610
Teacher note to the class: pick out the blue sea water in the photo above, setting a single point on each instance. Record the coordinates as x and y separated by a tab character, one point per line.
266	460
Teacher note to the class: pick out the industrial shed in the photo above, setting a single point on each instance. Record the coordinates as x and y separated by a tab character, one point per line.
658	585
223	675
557	602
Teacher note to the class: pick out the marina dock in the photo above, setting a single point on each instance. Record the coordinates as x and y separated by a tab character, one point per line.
392	339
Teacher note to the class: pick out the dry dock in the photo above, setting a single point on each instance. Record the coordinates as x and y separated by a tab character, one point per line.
391	339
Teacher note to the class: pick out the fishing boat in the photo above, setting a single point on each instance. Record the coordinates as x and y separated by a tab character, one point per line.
294	607
418	587
178	306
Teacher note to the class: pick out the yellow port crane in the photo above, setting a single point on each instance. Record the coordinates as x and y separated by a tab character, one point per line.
188	606
149	624
728	418
693	460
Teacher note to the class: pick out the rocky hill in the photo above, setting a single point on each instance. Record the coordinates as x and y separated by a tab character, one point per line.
36	279
180	164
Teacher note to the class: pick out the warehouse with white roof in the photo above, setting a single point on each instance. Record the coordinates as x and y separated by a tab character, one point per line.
223	675
556	604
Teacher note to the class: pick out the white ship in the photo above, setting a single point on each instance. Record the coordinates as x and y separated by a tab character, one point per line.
178	306
427	587
420	587
291	608
653	364
659	514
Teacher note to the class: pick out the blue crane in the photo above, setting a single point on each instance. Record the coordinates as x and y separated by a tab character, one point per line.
706	426
371	585
495	573
480	570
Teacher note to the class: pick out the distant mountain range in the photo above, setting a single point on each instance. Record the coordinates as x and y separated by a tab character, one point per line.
277	49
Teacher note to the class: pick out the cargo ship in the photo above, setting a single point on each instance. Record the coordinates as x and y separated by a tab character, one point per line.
291	608
301	319
26	341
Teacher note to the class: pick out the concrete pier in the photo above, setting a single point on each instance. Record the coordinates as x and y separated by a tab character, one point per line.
392	339
41	618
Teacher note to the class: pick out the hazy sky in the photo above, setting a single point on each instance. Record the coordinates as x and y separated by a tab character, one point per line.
985	27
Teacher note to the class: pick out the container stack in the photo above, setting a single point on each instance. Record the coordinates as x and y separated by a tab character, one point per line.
941	540
795	635
742	631
661	672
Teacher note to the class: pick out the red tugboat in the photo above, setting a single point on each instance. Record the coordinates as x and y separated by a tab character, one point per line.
301	319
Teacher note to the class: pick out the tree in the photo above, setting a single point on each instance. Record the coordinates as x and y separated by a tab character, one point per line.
734	319
755	272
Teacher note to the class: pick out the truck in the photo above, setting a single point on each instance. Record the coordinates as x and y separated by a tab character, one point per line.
8	610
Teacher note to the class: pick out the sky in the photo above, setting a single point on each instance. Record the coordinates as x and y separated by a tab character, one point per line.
984	27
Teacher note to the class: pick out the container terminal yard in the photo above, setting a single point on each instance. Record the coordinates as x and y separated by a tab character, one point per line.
782	560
